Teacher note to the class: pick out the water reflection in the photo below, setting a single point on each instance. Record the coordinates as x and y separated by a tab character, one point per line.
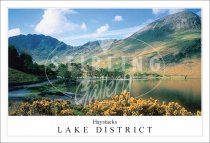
186	92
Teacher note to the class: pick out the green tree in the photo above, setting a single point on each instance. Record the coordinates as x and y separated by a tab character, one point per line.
127	76
89	70
51	69
14	61
26	61
76	70
63	72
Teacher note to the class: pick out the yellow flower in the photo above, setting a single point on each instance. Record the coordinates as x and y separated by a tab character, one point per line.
123	102
121	97
106	113
132	100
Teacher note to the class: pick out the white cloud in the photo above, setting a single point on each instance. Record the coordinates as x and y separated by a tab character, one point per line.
156	11
14	32
99	33
123	33
118	18
54	21
172	11
84	26
102	29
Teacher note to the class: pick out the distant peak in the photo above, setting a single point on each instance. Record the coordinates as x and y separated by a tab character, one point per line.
181	21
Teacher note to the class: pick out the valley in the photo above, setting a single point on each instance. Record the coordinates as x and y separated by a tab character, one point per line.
161	61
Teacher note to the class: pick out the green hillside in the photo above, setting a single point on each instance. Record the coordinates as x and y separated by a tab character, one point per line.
17	77
176	39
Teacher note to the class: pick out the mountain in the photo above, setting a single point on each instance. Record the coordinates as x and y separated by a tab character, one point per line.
178	22
39	46
181	27
179	33
176	38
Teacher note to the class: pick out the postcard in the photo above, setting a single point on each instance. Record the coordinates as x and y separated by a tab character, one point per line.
115	71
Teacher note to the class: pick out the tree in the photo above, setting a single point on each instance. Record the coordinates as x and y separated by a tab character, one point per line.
35	68
127	76
14	61
63	72
89	70
51	69
75	69
26	61
41	70
97	73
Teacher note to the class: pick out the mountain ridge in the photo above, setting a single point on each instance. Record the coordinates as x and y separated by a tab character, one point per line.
176	37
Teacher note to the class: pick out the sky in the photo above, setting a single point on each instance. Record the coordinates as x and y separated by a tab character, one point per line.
79	26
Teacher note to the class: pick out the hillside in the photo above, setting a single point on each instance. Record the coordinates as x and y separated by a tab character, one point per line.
175	39
17	77
39	46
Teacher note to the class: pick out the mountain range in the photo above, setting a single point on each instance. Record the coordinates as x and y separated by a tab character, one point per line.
177	38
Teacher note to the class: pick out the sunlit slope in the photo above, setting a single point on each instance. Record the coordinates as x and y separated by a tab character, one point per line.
176	39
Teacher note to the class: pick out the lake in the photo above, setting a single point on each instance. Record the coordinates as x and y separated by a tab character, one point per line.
185	92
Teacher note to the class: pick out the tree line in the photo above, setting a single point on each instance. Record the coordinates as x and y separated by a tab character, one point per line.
77	70
24	62
70	71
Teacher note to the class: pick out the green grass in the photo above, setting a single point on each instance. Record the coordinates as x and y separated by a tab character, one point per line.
17	77
56	89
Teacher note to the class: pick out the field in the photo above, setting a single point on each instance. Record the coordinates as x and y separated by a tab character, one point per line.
17	77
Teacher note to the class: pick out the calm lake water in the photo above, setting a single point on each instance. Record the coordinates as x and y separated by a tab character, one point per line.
185	92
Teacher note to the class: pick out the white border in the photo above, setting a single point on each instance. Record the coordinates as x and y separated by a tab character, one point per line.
106	4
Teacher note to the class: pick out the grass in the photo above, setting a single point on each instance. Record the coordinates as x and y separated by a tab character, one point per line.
17	77
47	89
192	69
175	49
56	89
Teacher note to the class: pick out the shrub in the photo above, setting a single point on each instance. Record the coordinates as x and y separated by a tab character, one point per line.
124	105
117	105
43	107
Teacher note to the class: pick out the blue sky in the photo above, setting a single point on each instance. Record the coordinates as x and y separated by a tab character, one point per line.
78	26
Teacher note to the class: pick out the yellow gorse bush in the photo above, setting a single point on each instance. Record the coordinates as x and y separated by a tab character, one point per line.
117	105
44	107
125	105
